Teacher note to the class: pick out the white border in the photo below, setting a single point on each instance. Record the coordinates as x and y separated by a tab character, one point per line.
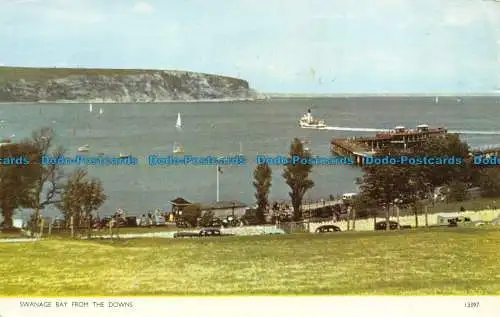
288	306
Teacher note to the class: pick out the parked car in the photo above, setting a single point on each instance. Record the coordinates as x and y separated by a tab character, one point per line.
209	232
393	225
187	234
454	222
328	228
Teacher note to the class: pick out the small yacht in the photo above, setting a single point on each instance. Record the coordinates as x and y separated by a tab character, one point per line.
84	148
178	149
178	124
307	121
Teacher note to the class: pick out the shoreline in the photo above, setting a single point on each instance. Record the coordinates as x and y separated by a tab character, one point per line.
100	102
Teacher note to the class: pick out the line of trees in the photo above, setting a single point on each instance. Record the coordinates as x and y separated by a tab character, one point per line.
407	186
386	186
36	186
296	176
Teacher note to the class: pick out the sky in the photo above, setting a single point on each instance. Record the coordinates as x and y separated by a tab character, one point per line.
294	46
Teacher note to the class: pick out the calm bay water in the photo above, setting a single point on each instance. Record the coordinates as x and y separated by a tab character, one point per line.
265	127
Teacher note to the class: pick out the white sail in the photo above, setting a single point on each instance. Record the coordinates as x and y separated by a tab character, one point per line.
101	111
436	100
90	107
178	124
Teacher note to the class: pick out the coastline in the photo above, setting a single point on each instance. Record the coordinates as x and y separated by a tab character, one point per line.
129	102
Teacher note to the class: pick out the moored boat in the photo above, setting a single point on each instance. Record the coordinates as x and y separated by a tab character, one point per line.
84	148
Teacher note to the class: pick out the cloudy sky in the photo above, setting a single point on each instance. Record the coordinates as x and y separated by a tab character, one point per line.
328	46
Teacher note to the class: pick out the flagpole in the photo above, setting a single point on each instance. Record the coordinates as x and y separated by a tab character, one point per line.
218	172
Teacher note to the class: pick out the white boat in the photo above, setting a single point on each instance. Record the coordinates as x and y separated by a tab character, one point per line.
178	124
84	148
177	149
124	156
7	141
101	111
436	100
90	107
307	121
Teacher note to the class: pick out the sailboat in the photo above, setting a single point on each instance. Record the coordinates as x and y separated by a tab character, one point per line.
436	100
178	149
90	107
84	148
100	112
178	124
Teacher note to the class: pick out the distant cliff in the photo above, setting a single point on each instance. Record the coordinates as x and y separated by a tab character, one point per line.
117	85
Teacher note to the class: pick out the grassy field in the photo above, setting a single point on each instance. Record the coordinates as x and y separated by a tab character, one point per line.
418	262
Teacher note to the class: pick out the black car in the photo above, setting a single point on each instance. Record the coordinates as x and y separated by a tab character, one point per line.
209	232
393	225
328	228
184	234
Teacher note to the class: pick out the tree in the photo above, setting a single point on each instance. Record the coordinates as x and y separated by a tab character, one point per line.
296	175
457	191
262	183
15	179
191	214
438	175
46	187
489	182
383	185
207	219
81	197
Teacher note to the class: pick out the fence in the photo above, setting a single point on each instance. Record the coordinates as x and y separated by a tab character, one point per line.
420	220
294	227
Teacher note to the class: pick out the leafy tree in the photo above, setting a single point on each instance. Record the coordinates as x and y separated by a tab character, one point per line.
489	182
439	175
191	214
81	197
296	176
46	187
15	179
207	219
262	183
457	191
384	184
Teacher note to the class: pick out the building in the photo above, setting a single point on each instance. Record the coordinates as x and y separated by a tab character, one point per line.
222	209
178	205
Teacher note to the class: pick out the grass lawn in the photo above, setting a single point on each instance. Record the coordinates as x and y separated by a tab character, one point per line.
417	262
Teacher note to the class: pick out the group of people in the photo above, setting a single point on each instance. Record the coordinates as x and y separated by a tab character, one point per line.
153	218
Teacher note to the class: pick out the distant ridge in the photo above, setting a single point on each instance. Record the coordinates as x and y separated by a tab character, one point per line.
103	85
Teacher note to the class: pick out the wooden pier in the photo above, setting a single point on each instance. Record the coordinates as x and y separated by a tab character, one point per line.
360	147
405	139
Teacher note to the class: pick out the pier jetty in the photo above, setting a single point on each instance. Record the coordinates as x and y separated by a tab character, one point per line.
400	137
